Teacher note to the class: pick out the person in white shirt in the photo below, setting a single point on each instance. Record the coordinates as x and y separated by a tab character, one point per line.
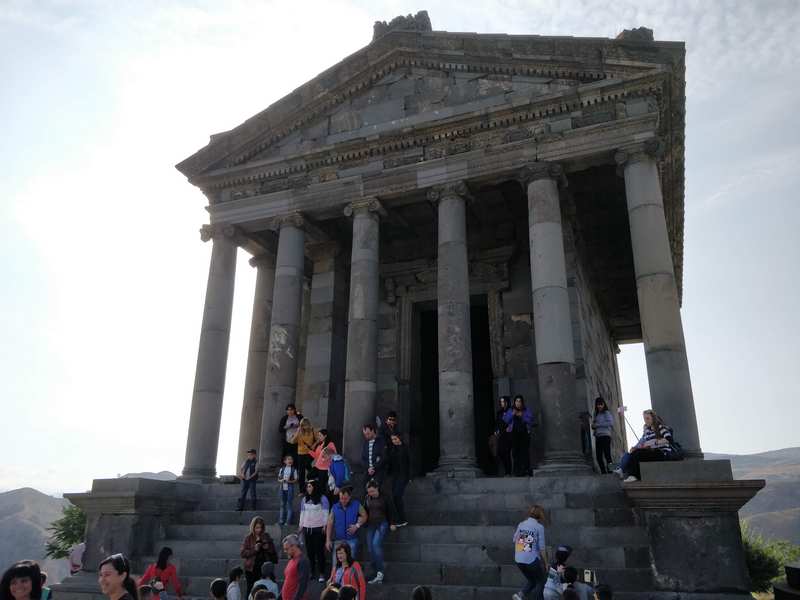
234	591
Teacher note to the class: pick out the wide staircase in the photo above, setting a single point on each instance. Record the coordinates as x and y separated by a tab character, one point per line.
458	542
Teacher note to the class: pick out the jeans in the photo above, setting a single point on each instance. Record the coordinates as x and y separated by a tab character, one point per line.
534	573
602	452
248	484
375	537
287	495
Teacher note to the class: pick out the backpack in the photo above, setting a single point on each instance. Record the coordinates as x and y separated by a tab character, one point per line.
339	471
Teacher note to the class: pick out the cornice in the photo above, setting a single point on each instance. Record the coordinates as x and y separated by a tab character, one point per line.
693	497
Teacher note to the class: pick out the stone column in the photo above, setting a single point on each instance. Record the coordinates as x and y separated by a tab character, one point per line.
281	376
361	373
552	325
659	305
326	346
253	404
212	355
456	410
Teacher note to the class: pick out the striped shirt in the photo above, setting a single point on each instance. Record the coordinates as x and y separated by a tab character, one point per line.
649	435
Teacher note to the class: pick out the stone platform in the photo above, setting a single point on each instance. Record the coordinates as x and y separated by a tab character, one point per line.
459	540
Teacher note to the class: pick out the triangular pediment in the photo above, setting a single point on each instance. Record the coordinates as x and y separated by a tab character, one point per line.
407	81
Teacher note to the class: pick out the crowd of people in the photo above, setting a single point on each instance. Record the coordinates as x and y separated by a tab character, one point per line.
331	517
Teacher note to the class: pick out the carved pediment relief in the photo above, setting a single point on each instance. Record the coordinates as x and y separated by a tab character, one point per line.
414	97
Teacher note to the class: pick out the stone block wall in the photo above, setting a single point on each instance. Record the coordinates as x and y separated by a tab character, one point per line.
595	349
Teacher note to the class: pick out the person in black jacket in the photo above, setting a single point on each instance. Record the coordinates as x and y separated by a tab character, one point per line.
373	453
399	473
290	423
503	436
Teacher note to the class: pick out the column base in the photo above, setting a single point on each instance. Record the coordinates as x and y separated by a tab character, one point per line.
457	470
201	474
568	463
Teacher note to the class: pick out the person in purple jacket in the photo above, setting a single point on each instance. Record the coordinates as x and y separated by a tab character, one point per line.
519	419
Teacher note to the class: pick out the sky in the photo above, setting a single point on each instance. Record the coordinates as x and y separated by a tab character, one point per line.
103	272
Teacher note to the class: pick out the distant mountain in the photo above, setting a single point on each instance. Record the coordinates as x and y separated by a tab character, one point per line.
775	511
161	476
25	515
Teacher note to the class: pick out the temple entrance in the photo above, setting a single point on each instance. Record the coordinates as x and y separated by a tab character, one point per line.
424	405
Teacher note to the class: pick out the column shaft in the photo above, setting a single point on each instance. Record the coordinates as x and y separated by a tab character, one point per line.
456	410
281	377
253	403
212	358
362	329
659	306
552	325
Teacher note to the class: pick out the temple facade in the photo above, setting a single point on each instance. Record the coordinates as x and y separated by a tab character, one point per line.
444	218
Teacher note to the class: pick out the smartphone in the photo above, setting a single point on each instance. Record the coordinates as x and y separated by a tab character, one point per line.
588	576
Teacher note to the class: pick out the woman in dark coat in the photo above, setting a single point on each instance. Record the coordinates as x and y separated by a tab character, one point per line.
503	436
257	548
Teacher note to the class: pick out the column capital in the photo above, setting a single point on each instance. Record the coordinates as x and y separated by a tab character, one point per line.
293	219
217	231
651	149
455	188
542	170
365	205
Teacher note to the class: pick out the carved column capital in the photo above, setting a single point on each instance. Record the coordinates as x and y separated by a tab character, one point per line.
455	188
651	149
229	232
365	205
293	219
542	170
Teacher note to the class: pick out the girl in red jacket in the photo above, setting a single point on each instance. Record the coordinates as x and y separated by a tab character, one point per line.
347	571
161	574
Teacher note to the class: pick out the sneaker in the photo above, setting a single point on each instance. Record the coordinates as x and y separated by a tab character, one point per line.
403	524
321	579
377	579
630	478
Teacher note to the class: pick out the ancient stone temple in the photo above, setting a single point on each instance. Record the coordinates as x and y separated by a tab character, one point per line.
443	218
437	220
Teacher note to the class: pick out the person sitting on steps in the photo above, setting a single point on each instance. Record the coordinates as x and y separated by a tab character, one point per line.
555	575
656	444
584	590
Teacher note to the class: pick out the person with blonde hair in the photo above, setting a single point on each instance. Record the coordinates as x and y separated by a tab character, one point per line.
306	439
530	555
656	444
257	548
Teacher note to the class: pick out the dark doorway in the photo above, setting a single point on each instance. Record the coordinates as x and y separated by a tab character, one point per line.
425	406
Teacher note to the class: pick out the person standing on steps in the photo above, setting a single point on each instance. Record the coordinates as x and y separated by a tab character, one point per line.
248	473
322	455
379	517
287	479
305	440
257	548
346	518
389	426
530	555
347	572
161	574
314	509
297	571
373	453
399	474
114	577
519	420
503	437
603	428
288	426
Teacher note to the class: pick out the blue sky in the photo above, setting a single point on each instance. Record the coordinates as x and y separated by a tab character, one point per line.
104	274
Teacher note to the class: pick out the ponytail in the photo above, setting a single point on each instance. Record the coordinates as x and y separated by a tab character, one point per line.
122	565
